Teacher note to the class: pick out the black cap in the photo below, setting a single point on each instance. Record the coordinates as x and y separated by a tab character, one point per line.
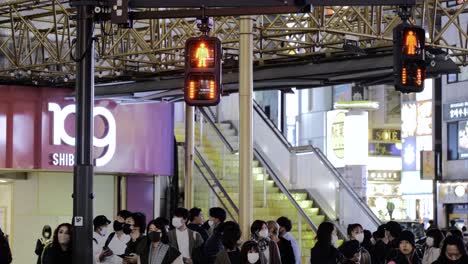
100	220
407	236
394	228
349	248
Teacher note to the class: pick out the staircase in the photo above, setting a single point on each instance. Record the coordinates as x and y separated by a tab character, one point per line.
269	202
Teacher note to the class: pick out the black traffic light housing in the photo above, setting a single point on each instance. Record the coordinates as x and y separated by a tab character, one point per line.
203	71
409	65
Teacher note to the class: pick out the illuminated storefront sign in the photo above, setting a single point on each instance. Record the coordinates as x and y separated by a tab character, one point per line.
386	135
456	111
336	139
385	149
454	192
384	176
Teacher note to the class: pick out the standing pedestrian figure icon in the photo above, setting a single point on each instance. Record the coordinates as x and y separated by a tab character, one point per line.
411	43
202	54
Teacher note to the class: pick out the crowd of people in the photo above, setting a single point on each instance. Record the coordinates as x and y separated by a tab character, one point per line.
189	239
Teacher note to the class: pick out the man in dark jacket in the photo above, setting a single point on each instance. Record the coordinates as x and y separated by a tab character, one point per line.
351	251
196	223
392	233
5	252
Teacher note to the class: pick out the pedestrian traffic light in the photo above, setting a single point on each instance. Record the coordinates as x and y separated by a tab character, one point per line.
202	71
409	58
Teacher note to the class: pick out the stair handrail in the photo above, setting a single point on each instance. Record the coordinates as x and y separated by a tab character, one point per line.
347	186
218	132
259	155
214	191
215	179
272	126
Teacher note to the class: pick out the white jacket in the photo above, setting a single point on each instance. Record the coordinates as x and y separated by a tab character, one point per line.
431	255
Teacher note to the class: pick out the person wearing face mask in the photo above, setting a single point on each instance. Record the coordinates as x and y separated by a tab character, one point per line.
60	250
453	252
406	253
434	238
324	251
182	238
100	234
269	252
137	247
217	217
356	232
231	253
250	253
351	251
116	242
41	242
159	250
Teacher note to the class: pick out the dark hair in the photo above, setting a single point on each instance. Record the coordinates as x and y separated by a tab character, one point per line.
194	212
140	221
55	242
351	228
324	234
284	222
380	233
456	232
464	228
257	225
394	229
219	213
181	212
231	234
124	214
437	235
453	241
246	247
160	223
452	222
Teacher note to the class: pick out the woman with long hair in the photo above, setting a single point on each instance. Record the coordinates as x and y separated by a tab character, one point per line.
250	253
269	252
60	250
324	251
434	239
453	251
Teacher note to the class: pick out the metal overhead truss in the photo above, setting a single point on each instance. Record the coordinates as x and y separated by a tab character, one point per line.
37	39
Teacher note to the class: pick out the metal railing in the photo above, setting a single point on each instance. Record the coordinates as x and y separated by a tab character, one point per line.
273	174
233	216
216	129
347	186
216	182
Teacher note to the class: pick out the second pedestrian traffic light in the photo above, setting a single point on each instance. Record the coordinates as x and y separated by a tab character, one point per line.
202	71
409	63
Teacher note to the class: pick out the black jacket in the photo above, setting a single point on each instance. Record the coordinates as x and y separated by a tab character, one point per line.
401	259
320	255
55	255
213	246
5	252
443	260
200	229
286	251
140	247
378	252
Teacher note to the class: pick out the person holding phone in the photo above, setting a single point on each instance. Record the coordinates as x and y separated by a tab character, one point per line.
137	247
116	242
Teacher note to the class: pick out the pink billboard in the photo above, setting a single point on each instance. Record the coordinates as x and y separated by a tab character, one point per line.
37	131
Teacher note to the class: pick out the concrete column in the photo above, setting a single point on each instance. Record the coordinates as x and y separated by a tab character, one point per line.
245	131
189	150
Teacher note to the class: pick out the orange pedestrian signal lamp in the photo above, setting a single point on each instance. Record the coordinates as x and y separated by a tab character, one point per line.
202	71
409	65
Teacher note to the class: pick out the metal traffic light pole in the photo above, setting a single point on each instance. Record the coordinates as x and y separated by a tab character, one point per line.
82	242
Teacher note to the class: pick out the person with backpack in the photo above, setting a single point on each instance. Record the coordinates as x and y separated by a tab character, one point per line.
5	252
116	242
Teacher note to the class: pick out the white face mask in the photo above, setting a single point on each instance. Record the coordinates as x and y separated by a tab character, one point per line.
177	222
263	233
334	240
360	237
372	240
253	257
430	241
103	231
211	223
